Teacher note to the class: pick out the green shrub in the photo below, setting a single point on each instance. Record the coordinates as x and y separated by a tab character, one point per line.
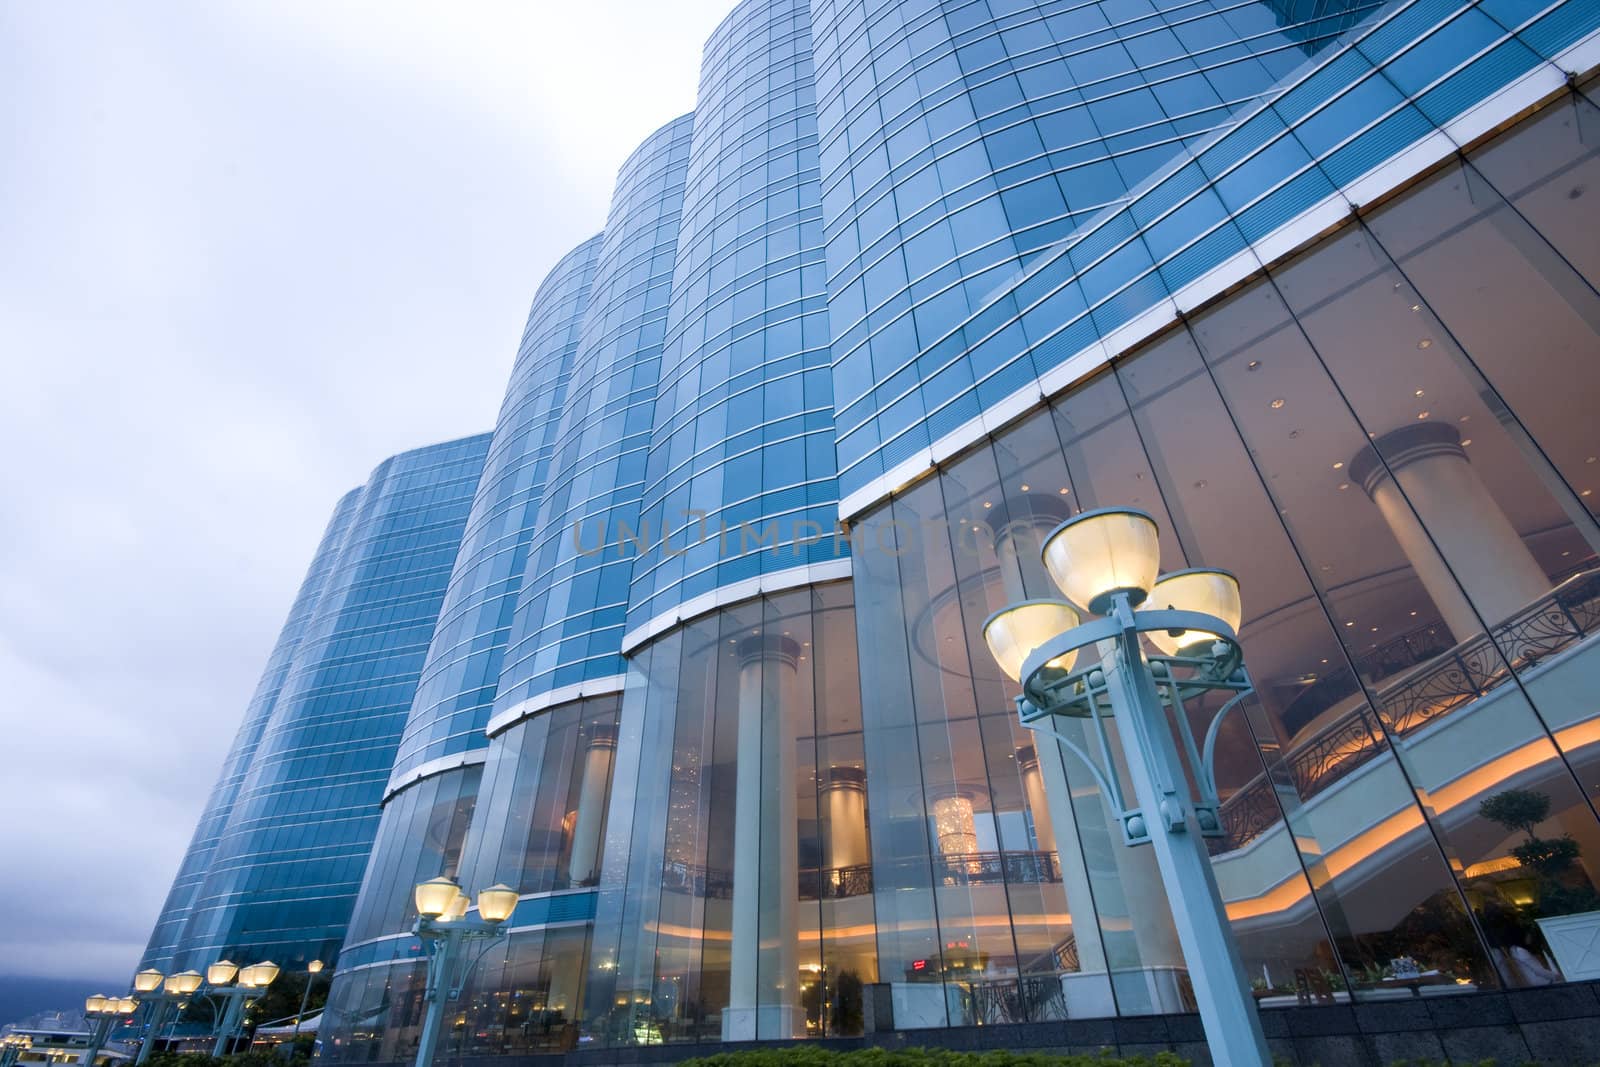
812	1056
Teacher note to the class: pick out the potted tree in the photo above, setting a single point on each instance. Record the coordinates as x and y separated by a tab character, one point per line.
1565	904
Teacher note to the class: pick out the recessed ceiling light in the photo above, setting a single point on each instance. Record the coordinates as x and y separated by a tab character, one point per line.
1025	488
1425	343
1325	567
1061	492
1278	403
1252	365
1419	392
1466	441
1349	624
1591	459
1413	613
1324	661
1344	485
1423	414
987	504
1416	307
1339	465
1586	492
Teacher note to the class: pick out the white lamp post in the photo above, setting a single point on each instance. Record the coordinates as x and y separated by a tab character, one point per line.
1107	561
313	969
163	993
240	987
445	931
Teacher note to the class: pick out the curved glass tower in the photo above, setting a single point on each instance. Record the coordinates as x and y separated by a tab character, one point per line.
166	938
283	873
1314	284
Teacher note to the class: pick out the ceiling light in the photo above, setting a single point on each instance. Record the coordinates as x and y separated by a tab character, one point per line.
1339	465
1026	487
1252	365
1278	403
1419	392
1425	343
1422	414
1466	441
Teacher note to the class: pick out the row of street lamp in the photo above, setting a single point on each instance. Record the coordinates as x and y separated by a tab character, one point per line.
166	994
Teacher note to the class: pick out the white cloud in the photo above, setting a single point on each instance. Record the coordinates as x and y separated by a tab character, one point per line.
246	252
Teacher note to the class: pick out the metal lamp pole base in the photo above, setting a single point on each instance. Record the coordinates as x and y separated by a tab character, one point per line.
1227	1010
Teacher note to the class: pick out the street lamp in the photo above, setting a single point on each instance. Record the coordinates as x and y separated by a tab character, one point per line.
445	931
252	982
102	1011
1107	561
313	969
162	993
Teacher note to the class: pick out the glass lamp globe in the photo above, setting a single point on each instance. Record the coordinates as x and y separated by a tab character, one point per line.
147	981
433	897
95	1004
1013	633
1212	592
186	982
170	984
496	903
262	974
457	908
127	1005
1098	554
315	966
222	972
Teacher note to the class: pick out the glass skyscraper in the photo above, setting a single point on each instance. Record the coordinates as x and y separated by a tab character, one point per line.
1317	285
279	854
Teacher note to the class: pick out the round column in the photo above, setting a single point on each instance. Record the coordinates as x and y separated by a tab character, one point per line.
1449	526
844	798
764	979
583	863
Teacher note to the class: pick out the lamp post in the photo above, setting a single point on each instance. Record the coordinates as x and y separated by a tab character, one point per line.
313	969
252	982
446	931
12	1046
1107	561
102	1011
163	993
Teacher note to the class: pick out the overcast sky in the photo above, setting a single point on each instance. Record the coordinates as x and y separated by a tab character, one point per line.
246	252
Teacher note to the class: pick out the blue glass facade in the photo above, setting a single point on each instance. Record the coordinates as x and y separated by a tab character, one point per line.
569	623
283	875
166	937
1314	283
742	447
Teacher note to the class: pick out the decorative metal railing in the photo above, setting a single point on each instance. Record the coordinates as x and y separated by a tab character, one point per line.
1414	697
837	883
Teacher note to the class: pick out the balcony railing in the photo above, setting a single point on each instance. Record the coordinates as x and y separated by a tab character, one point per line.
838	883
1414	697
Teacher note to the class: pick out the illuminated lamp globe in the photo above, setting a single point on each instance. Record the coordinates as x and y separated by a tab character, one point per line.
434	897
496	903
222	972
1094	556
1013	633
186	982
1210	592
315	966
127	1005
147	981
458	907
260	975
96	1004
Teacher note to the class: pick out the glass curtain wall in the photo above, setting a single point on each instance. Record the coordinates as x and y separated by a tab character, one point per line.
738	898
1382	439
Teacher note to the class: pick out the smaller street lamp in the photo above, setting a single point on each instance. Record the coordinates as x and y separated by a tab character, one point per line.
313	969
102	1011
445	931
1107	561
164	994
240	987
